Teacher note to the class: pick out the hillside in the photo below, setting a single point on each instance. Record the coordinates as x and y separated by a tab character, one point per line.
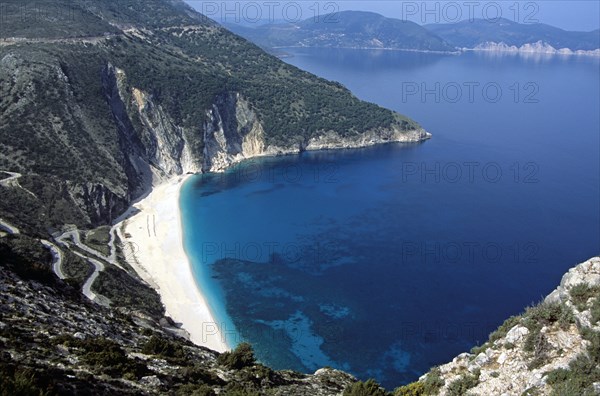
470	34
345	29
96	106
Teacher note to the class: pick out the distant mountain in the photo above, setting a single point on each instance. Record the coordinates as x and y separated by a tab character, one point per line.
479	32
347	29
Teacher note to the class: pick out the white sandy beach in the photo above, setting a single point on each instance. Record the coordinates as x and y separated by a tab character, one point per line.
154	237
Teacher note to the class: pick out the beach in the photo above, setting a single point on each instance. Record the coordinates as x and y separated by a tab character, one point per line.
153	243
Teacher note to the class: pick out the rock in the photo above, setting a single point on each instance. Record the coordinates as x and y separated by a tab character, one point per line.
481	359
151	380
502	358
516	333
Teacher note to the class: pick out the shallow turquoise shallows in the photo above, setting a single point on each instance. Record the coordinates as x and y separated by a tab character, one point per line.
388	260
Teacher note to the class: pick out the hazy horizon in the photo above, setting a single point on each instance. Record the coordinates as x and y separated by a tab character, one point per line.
567	15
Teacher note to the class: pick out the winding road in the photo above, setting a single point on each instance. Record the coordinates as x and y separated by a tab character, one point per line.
8	227
57	258
13	181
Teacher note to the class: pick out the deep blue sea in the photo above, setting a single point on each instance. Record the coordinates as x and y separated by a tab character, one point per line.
388	260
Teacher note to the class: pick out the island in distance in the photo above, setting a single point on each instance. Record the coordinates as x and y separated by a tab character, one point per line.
369	30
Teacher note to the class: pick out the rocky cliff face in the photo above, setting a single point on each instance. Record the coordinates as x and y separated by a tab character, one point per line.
157	148
551	349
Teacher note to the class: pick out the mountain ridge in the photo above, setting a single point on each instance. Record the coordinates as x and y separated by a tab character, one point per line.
369	30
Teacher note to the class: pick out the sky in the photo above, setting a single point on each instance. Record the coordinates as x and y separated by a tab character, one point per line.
570	15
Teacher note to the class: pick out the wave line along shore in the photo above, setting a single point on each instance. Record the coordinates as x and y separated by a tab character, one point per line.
153	238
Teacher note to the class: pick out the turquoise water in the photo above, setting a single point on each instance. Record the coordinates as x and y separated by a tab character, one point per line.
387	260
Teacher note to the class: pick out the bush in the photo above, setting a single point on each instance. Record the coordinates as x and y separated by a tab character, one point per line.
595	310
500	332
414	389
195	390
581	293
537	344
239	390
368	388
242	356
548	314
106	356
433	381
463	384
162	347
583	372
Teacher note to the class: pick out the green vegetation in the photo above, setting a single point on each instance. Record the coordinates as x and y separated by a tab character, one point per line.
546	314
26	257
242	356
164	348
239	390
535	318
17	381
413	389
105	356
368	388
497	334
124	291
582	373
581	293
433	381
195	390
461	386
595	310
77	269
98	239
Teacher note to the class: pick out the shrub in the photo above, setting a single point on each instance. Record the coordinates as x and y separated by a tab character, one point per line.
195	390
548	314
463	384
197	374
537	344
106	356
238	390
595	310
162	347
582	373
368	388
581	293
242	356
500	332
414	389
433	381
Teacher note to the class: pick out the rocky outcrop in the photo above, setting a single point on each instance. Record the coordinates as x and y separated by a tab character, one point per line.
156	147
233	133
98	202
522	354
332	140
538	47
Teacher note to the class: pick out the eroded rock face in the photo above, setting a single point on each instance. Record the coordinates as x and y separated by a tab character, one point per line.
232	133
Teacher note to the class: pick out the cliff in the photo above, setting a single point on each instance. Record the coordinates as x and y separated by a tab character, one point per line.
551	349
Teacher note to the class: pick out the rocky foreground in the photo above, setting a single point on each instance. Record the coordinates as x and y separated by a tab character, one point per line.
551	349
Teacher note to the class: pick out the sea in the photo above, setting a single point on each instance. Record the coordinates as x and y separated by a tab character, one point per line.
388	260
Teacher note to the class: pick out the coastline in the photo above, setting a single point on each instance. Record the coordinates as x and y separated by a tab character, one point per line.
153	237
